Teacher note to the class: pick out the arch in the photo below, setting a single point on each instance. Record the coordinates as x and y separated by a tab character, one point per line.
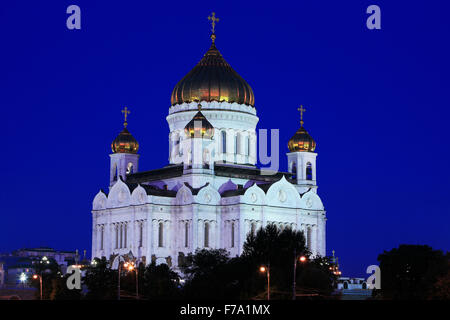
161	235
309	173
119	195
139	196
99	201
282	193
294	170
130	168
345	285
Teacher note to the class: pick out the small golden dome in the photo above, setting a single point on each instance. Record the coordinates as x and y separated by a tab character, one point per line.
199	126
301	140
125	142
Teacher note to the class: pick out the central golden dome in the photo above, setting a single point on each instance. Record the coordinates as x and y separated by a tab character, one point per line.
213	79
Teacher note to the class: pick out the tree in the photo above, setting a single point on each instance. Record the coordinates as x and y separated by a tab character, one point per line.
160	282
410	271
60	291
101	280
48	269
277	248
211	275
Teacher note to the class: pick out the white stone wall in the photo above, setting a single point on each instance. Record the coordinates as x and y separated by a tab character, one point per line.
281	205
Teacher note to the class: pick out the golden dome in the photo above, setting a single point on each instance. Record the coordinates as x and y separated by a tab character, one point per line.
125	142
213	79
199	126
301	140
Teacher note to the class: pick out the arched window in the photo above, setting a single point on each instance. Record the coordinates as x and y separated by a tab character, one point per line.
102	236
345	285
117	236
308	237
309	171
161	235
125	230
206	235
232	234
130	168
253	228
247	151
141	233
224	142
115	173
121	236
186	234
294	170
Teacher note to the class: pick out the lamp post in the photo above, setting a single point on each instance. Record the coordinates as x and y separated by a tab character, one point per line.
294	283
40	283
267	271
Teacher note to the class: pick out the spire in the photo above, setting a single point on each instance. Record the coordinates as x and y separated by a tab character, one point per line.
125	112
213	20
302	110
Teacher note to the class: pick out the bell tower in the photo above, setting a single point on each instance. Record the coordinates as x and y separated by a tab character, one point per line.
302	158
124	159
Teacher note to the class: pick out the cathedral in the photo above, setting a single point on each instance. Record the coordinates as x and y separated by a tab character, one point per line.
211	194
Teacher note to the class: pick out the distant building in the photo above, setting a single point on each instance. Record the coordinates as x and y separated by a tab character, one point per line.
61	257
2	274
353	288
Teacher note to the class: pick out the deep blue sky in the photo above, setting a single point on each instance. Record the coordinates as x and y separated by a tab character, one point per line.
377	104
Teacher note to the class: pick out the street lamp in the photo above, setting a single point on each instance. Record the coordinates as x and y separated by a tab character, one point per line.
40	283
129	264
302	259
263	269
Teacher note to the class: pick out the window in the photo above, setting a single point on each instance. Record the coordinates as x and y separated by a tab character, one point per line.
206	235
232	234
224	142
141	233
102	233
253	228
309	171
117	236
186	234
129	168
125	230
294	170
121	236
160	235
115	173
308	237
247	151
238	144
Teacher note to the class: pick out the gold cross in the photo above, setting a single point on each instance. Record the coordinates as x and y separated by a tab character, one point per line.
125	112
302	110
214	20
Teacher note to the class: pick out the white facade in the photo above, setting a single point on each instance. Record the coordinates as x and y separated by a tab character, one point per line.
210	203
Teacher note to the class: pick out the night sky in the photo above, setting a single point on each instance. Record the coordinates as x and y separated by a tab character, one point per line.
377	104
